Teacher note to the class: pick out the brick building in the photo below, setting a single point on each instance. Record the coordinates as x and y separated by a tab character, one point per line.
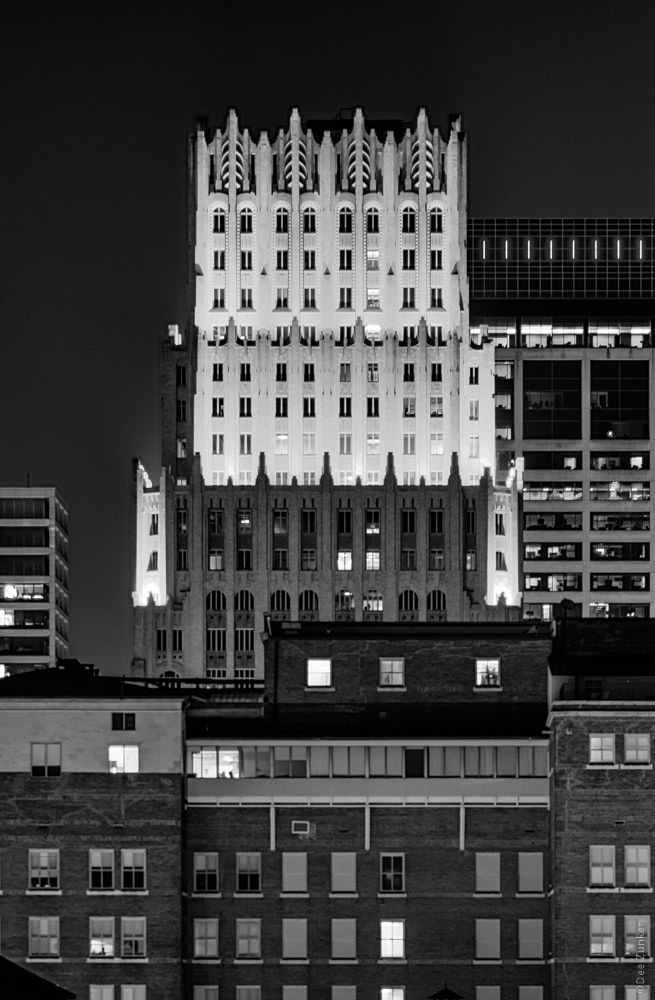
602	724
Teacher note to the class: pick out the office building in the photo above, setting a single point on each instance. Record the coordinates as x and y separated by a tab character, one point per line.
569	306
327	420
33	578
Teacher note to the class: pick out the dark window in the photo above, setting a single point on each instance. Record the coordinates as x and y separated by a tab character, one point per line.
123	720
552	399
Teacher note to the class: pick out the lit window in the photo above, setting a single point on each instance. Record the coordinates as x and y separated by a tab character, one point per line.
392	873
319	673
123	759
637	866
281	444
44	869
205	938
602	936
248	939
602	749
372	561
345	560
249	866
636	748
294	939
392	993
487	673
392	672
101	937
392	939
101	870
637	937
372	444
205	872
44	937
46	760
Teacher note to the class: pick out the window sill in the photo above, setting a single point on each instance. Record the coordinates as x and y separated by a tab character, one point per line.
487	961
602	958
636	888
637	959
636	767
343	895
392	961
530	895
248	895
602	767
602	888
530	961
487	895
294	961
317	687
486	688
390	687
206	895
343	961
43	892
118	892
41	961
392	895
294	895
199	960
248	961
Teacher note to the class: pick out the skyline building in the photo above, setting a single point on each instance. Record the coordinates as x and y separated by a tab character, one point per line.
328	435
33	578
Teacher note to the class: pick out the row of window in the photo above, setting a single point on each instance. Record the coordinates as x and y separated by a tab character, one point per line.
392	939
254	761
603	868
345	370
597	581
247	335
407	258
219	300
344	600
343	521
392	672
345	220
575	250
46	758
44	871
435	407
342	477
343	873
603	490
636	936
129	943
132	992
281	444
636	749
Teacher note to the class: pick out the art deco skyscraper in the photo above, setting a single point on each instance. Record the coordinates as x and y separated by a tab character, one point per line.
328	428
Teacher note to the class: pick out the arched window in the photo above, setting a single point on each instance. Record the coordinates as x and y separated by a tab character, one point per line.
373	600
169	673
280	601
345	220
409	220
218	220
308	600
309	220
408	600
281	221
216	600
244	601
436	605
245	220
344	600
372	221
436	220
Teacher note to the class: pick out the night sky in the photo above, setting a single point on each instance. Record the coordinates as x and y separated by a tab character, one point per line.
558	100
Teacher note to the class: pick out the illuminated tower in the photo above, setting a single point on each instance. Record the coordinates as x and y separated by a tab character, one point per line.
326	418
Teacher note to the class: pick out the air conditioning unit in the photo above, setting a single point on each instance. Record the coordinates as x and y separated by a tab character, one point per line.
300	827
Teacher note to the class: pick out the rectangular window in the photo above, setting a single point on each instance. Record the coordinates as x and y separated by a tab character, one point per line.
249	877
392	873
281	372
345	444
319	673
409	444
372	373
245	406
101	870
637	937
101	993
344	938
487	673
531	871
309	406
345	260
487	939
602	936
372	406
531	939
294	939
243	993
408	372
245	444
294	871
309	443
46	760
343	871
244	371
308	559
101	937
474	376
218	404
392	939
602	749
133	870
637	866
282	260
44	869
601	866
205	938
345	560
281	406
123	759
248	939
282	297
372	562
636	748
607	993
44	937
205	872
409	298
123	720
487	872
345	406
133	937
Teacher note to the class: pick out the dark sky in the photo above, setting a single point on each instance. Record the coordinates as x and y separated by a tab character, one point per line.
558	99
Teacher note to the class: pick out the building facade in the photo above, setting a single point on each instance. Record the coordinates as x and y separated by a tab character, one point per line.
33	578
569	307
326	354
